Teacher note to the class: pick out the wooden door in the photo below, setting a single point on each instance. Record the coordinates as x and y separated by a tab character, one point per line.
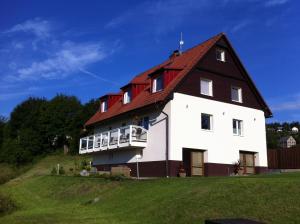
197	164
247	162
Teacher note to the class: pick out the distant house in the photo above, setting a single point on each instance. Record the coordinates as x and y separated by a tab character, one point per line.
295	130
287	142
279	129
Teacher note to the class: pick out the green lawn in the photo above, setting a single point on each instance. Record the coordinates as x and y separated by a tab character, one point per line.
56	199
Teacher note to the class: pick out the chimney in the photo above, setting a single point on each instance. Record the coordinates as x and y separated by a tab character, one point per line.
175	54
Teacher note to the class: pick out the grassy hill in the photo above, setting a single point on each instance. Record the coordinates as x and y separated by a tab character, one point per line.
42	198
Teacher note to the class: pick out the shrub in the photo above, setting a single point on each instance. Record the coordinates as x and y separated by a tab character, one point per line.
6	204
6	173
236	167
53	171
60	172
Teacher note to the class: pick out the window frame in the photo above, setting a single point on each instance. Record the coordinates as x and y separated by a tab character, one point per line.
127	97
210	87
104	106
210	122
240	94
239	125
154	84
222	54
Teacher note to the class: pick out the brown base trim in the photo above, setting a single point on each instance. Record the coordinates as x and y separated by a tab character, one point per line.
261	169
158	168
217	169
147	169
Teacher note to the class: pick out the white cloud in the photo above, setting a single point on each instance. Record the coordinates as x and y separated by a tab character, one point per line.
271	3
286	103
40	28
161	16
70	59
240	26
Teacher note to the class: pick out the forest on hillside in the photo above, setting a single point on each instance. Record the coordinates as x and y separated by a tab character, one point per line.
277	130
38	126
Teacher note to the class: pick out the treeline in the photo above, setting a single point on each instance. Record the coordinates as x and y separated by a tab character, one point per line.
277	130
38	126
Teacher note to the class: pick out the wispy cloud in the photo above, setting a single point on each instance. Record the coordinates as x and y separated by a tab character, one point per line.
271	3
241	25
160	16
287	103
45	54
70	59
40	28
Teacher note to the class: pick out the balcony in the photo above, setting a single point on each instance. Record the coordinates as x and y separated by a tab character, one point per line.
130	136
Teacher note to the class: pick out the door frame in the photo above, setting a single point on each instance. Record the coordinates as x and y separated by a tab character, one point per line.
187	160
244	167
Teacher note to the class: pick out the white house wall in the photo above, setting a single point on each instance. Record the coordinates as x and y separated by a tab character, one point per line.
221	145
156	142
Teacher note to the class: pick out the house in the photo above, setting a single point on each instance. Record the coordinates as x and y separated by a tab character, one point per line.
295	130
287	142
199	109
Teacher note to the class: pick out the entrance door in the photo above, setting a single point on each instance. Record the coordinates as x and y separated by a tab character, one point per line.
197	165
247	162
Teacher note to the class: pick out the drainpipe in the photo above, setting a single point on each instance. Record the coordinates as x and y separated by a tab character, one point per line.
167	143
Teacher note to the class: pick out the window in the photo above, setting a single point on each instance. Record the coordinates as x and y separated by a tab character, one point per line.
104	106
236	94
157	84
127	97
237	126
206	87
206	121
144	122
220	54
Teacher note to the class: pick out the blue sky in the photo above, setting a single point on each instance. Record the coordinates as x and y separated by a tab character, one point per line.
89	48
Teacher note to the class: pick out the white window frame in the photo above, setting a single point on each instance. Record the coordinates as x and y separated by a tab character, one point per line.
240	94
154	84
210	122
210	87
240	127
104	106
220	55
127	97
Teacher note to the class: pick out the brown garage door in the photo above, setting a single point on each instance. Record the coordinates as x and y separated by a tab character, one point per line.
247	162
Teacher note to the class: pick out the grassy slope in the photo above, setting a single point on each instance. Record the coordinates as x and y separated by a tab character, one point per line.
53	199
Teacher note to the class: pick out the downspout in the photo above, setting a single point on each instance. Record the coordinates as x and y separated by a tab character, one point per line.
167	143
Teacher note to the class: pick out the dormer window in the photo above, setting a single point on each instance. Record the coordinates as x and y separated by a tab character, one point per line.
157	84
127	97
220	54
104	106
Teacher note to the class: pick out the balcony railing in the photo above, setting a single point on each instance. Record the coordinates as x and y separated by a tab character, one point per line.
128	136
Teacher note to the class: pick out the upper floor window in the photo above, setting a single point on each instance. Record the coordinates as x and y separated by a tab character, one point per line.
127	97
237	126
206	121
157	84
220	54
104	106
206	87
236	94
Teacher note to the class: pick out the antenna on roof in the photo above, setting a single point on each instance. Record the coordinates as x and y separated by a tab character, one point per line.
181	43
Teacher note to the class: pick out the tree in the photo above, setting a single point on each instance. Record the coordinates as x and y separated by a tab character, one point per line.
2	126
60	120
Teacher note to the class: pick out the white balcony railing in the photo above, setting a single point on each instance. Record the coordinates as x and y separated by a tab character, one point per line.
128	136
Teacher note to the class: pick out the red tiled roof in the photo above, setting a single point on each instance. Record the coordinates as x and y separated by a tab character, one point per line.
185	62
